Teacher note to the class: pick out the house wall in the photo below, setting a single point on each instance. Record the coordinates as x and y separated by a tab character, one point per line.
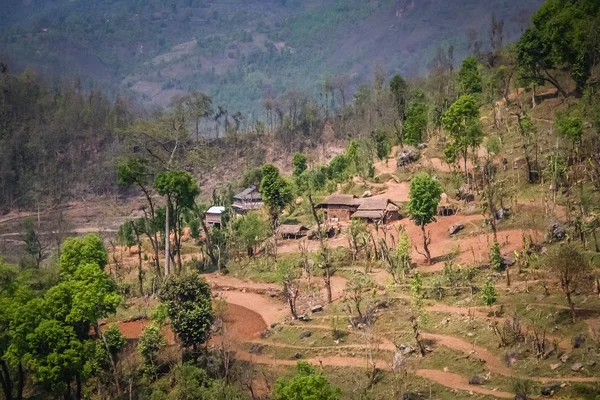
342	213
212	219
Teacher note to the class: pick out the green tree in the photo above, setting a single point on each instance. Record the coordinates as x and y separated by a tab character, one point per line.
188	301
134	171
307	384
149	346
83	299
180	189
250	231
570	127
559	37
415	125
276	192
425	194
77	251
33	242
462	123
402	258
488	294
338	168
13	297
383	146
495	256
399	90
299	163
572	268
469	76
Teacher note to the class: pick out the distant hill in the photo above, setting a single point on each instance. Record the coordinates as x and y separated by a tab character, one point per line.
240	51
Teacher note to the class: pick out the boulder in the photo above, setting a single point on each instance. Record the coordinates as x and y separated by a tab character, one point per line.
576	367
367	193
465	193
304	318
305	334
502	213
508	260
408	155
297	356
256	348
549	389
411	396
578	341
556	232
455	229
477	380
422	146
317	308
590	363
399	361
564	358
554	366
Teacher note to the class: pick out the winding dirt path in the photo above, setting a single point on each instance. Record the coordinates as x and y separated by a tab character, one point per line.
460	382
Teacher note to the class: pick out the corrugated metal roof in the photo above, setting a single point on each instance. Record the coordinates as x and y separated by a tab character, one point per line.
216	210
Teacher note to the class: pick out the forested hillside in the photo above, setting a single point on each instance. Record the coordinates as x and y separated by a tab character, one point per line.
408	237
240	52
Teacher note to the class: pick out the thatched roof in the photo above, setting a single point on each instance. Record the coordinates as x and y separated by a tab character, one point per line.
369	214
377	204
249	194
340	200
292	230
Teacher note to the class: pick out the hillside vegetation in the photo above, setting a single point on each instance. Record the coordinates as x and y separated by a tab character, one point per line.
469	269
240	52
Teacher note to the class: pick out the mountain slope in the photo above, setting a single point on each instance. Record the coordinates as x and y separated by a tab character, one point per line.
241	51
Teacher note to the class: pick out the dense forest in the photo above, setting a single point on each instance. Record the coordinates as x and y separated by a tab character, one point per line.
241	52
488	282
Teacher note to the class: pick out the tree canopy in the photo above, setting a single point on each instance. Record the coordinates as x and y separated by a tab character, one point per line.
307	384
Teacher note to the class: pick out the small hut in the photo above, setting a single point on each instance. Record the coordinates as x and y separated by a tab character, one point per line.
213	216
292	231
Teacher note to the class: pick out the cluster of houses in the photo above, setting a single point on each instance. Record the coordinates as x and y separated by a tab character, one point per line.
338	208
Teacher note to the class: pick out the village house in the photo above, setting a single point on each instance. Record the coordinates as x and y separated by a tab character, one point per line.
377	210
289	231
213	216
339	207
247	200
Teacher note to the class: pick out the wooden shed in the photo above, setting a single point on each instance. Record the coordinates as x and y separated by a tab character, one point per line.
292	231
339	207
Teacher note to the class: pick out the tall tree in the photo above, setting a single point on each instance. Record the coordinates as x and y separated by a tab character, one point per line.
276	193
307	383
188	302
135	171
425	194
469	76
180	189
462	122
572	269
